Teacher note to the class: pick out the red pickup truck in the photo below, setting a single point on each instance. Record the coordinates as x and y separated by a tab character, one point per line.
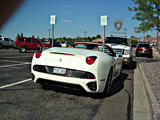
29	44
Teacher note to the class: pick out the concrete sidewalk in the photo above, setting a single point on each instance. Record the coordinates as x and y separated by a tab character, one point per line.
145	105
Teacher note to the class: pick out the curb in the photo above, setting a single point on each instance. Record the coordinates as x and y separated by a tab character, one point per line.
152	102
141	106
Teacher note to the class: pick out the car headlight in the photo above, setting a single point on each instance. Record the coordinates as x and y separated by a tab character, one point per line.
126	52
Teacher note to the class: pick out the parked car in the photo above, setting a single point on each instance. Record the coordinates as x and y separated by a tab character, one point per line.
6	43
45	43
121	45
24	44
144	49
90	66
55	43
65	44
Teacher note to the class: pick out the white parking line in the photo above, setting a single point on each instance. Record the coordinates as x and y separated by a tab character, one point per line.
16	83
17	57
14	65
12	61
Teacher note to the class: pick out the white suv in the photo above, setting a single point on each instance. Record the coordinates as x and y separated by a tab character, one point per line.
121	45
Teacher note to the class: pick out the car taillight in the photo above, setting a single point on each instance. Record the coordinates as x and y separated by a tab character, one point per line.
150	48
91	60
38	54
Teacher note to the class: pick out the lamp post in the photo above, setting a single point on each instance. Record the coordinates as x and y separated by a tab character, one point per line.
52	22
85	32
49	32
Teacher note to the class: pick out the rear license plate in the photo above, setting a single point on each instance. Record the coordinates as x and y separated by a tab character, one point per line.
59	71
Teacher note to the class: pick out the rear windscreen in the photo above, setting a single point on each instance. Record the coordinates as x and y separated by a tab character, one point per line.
143	45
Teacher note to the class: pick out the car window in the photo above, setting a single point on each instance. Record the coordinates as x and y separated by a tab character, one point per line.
83	46
6	39
117	40
28	40
20	40
35	41
109	51
143	45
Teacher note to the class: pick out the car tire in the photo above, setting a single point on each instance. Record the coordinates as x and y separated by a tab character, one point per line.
22	49
107	90
44	86
109	84
1	46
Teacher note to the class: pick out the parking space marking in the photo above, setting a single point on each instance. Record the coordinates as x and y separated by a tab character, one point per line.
16	83
16	57
13	65
11	61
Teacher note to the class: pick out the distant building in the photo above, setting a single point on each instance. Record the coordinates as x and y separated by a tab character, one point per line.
138	39
151	39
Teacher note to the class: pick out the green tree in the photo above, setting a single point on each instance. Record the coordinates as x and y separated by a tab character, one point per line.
33	36
148	13
18	35
21	35
98	36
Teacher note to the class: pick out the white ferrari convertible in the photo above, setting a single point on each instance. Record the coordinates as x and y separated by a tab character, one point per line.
90	66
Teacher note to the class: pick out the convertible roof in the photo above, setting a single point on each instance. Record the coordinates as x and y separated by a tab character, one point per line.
94	43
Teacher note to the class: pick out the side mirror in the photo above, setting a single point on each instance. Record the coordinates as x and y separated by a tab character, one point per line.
119	55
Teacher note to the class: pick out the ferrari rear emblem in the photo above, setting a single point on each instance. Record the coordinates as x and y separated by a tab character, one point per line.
60	59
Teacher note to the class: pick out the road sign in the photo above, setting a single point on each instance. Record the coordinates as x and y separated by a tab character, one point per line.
53	19
104	20
118	24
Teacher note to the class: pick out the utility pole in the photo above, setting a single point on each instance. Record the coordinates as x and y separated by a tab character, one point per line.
85	32
49	33
158	43
52	34
104	34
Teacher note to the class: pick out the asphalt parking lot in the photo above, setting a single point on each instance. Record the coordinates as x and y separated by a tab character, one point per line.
21	99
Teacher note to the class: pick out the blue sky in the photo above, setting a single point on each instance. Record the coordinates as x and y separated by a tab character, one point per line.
73	18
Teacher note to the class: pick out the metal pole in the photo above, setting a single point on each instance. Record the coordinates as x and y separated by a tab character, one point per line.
52	34
49	33
158	43
104	34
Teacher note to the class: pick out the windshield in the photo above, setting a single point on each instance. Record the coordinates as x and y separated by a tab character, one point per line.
117	40
89	46
144	45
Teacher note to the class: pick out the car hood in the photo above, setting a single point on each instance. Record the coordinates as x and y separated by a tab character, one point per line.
118	46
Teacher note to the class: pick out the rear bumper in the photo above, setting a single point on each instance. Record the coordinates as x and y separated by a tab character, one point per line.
89	85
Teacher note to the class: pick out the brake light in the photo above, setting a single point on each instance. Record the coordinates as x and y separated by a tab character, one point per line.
150	48
38	54
90	60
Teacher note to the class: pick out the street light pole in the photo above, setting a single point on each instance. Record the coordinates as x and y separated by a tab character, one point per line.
49	33
85	32
104	31
52	34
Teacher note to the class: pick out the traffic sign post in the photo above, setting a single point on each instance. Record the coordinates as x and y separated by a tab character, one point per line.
104	23
52	21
